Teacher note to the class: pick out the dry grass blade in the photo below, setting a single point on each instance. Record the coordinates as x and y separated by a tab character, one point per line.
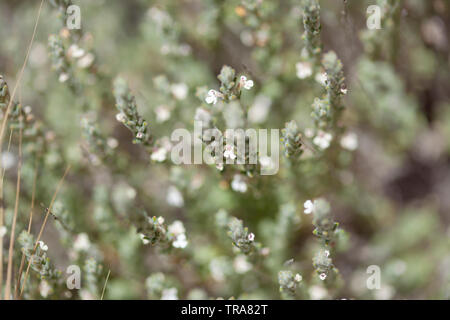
30	220
2	216
13	226
41	231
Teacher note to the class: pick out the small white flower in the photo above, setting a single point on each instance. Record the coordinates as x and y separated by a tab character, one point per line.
317	292
309	207
349	141
159	155
174	197
8	160
63	77
169	294
120	117
212	97
259	111
162	113
298	277
43	246
86	61
323	139
321	78
179	90
304	70
344	91
44	289
327	253
139	135
251	237
112	143
144	241
3	231
238	184
241	265
322	276
160	220
229	152
176	228
246	84
75	52
82	242
180	241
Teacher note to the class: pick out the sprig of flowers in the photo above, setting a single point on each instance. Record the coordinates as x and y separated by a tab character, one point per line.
128	114
241	237
289	282
292	141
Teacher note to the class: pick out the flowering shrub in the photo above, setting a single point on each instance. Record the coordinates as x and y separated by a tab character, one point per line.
101	198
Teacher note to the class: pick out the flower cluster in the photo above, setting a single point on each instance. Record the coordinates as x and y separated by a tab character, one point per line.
38	259
311	36
325	225
241	238
292	140
288	282
230	86
128	113
156	232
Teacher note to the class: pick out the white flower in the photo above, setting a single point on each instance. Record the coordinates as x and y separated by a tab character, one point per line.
86	61
139	135
322	276
259	111
112	143
309	207
63	77
298	277
212	96
82	242
321	78
169	294
251	237
144	241
179	90
8	160
3	231
44	289
120	117
241	265
304	69
176	228
349	141
327	253
317	292
323	139
344	91
159	155
162	113
238	184
75	52
229	152
246	84
43	246
180	241
160	220
174	197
